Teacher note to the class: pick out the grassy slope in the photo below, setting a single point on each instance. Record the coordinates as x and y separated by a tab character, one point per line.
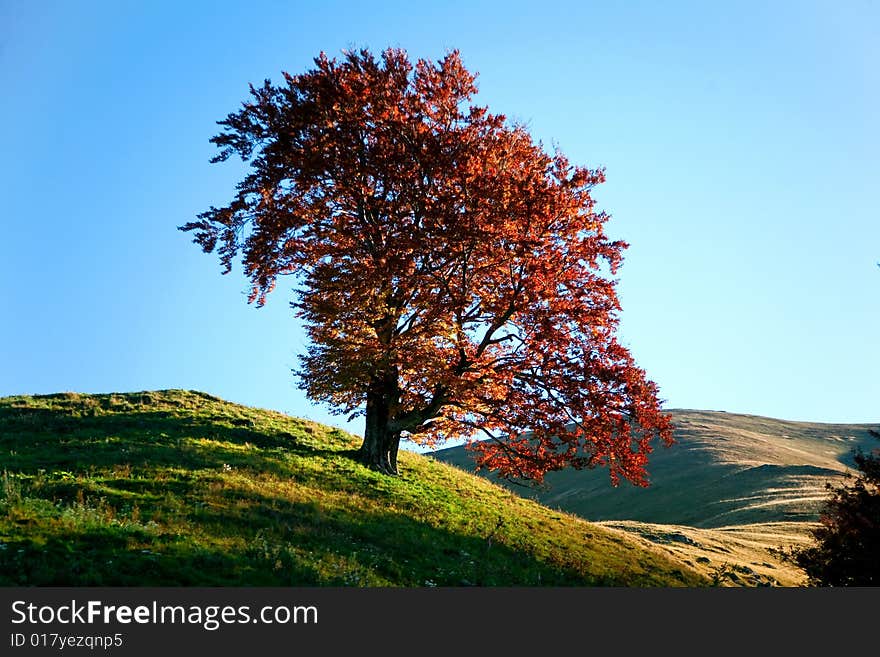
737	555
731	487
181	488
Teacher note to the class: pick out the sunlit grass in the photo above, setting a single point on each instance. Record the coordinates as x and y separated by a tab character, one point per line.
738	555
180	488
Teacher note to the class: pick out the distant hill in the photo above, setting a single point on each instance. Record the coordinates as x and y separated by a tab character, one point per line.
725	469
732	490
179	488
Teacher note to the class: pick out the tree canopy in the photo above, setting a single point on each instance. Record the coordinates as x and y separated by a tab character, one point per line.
454	278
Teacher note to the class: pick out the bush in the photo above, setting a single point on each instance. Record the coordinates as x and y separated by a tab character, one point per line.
847	548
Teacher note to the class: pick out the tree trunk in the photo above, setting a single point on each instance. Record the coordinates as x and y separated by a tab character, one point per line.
379	449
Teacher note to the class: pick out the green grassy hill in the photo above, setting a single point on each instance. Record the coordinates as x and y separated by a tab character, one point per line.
732	488
181	488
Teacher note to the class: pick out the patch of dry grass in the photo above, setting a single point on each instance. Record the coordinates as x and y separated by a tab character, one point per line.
738	555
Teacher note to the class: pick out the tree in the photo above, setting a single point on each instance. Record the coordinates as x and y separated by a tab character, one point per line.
454	278
847	540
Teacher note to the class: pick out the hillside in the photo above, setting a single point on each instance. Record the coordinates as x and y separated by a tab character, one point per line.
730	488
179	488
725	469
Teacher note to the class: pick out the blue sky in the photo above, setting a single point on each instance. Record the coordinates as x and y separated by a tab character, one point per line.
740	143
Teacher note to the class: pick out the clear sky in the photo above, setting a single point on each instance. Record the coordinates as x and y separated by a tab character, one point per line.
740	141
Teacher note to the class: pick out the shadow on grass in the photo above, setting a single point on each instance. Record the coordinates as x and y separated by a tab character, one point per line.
274	542
107	557
387	546
33	439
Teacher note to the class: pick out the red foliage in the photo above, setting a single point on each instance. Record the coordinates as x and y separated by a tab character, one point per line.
454	278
